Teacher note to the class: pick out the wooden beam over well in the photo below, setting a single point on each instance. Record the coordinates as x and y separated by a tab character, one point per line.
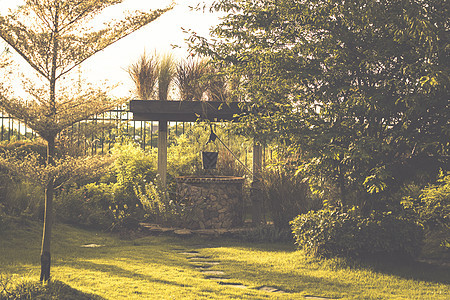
188	111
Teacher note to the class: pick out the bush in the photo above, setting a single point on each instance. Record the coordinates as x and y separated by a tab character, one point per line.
159	206
24	199
86	206
431	209
24	147
433	205
340	232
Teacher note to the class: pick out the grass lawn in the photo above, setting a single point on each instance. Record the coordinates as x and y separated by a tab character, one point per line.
154	268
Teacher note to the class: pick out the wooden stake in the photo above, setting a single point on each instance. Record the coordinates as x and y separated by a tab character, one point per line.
256	189
162	152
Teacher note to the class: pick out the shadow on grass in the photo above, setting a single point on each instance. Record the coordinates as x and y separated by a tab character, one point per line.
117	271
406	268
397	266
54	289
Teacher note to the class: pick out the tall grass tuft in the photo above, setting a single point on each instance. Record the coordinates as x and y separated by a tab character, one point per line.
217	89
166	75
286	195
188	78
144	74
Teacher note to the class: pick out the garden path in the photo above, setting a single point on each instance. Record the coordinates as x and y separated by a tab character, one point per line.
205	264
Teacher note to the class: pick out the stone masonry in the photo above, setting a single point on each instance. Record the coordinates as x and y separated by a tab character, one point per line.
211	202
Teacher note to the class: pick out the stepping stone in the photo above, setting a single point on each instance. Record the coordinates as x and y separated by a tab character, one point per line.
198	257
215	278
183	232
268	289
317	297
210	272
211	263
195	253
203	267
233	284
92	246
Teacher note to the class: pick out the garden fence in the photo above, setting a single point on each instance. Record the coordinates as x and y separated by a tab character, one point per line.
98	134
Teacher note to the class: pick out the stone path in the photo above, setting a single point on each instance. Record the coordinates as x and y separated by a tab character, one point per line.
205	264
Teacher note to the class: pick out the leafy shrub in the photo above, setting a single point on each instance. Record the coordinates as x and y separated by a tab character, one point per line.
433	204
340	232
431	209
24	199
87	206
158	205
132	165
24	147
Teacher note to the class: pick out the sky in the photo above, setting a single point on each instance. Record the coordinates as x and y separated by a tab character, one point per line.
159	36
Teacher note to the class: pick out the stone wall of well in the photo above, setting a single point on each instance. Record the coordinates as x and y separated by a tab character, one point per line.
212	202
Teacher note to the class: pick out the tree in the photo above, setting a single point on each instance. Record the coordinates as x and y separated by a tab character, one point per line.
359	88
53	38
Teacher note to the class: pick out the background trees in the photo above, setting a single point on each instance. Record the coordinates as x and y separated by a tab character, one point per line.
359	88
54	38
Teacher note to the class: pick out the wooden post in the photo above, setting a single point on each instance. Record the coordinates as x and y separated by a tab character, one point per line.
162	152
256	188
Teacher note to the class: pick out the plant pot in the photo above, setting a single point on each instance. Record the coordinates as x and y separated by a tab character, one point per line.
209	160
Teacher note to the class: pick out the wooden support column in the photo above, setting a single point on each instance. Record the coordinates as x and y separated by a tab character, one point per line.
162	152
256	188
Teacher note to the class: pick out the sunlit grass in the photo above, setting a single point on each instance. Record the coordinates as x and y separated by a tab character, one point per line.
153	268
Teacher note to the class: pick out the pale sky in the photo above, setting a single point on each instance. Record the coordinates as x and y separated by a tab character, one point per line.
158	36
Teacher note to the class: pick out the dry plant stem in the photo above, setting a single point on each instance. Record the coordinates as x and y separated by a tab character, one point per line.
165	76
144	74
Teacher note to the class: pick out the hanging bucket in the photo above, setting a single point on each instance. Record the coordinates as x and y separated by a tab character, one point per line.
209	160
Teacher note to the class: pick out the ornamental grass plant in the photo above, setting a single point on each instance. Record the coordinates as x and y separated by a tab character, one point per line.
166	74
144	74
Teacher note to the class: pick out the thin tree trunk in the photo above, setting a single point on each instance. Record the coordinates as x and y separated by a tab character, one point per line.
49	189
48	217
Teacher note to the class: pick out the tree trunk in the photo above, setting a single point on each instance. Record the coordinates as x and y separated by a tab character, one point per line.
48	217
49	189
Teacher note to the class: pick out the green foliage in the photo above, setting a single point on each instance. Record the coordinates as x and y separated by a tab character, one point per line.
18	197
434	205
183	153
24	147
360	88
24	199
431	209
87	206
158	204
132	165
341	232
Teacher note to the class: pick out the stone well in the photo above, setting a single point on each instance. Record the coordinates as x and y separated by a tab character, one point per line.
212	201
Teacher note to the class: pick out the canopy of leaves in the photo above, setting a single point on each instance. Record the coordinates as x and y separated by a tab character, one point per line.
360	88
